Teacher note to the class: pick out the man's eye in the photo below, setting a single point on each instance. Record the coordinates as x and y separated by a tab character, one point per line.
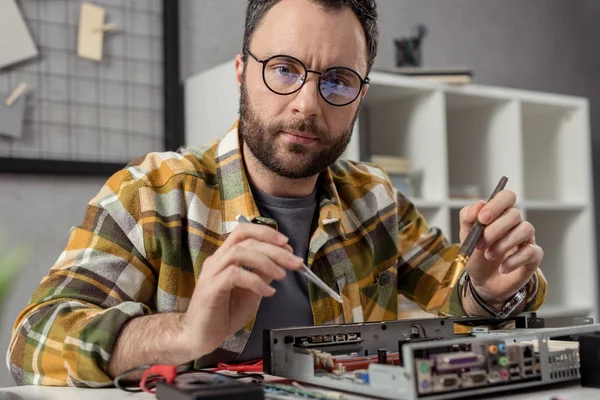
338	82
281	70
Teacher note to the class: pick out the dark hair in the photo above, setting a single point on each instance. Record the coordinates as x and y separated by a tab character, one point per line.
365	11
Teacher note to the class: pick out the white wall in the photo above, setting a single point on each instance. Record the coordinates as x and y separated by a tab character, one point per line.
37	212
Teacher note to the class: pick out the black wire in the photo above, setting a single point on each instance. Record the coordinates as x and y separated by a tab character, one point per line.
256	377
130	388
253	375
135	387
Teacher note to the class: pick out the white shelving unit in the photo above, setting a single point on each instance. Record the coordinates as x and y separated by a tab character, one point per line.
467	135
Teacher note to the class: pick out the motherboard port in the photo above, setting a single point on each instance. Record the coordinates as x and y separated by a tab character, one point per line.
515	373
316	339
527	351
527	372
494	377
473	378
513	352
327	340
457	361
446	382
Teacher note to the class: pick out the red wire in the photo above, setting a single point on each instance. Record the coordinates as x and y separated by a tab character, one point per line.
168	372
248	366
155	372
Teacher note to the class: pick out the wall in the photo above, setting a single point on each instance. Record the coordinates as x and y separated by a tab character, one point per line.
38	211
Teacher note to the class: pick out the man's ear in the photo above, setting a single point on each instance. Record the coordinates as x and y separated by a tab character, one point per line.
239	70
364	91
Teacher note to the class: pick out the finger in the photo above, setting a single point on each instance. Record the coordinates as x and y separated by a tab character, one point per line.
529	256
262	233
280	256
236	277
288	248
253	255
467	217
498	229
521	234
504	200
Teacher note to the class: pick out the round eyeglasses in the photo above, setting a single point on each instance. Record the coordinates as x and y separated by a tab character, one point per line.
339	86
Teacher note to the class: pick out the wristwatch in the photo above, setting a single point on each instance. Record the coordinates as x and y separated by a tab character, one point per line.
511	305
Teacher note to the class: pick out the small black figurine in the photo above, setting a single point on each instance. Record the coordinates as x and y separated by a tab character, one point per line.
408	49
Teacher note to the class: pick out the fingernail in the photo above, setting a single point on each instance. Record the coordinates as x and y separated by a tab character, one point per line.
485	217
282	238
272	290
490	255
299	259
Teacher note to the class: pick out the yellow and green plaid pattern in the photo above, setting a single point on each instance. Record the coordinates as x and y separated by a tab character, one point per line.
147	233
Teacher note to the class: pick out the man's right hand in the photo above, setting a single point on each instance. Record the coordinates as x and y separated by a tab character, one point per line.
226	295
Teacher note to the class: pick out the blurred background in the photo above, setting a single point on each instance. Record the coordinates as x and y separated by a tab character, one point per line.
81	118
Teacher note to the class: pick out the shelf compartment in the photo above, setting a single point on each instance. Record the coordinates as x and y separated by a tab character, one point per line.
410	126
557	149
484	142
567	239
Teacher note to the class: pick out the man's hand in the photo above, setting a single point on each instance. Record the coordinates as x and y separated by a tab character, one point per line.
225	298
506	256
226	295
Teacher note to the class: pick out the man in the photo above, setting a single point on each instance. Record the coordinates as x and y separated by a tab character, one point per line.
153	275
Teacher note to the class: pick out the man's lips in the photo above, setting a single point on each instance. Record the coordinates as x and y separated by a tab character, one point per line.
299	137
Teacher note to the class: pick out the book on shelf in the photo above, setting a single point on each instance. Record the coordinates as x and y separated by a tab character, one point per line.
398	169
457	75
467	192
392	164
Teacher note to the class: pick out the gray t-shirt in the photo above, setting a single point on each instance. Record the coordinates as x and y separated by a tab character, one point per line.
290	306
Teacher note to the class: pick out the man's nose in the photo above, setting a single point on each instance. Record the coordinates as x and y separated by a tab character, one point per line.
306	102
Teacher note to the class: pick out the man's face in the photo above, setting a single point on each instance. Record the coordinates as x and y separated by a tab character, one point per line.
299	135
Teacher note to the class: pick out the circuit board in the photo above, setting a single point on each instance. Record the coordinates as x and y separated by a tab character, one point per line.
431	358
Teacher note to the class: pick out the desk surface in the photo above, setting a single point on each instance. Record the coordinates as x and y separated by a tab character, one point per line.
571	392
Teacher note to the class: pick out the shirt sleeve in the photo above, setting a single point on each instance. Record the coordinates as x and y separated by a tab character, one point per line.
425	256
66	334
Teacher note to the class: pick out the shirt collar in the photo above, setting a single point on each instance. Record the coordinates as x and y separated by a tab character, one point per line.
236	195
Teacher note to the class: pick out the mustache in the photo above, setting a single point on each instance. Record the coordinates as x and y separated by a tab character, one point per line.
306	126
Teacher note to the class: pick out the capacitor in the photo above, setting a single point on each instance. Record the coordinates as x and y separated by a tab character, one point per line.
382	356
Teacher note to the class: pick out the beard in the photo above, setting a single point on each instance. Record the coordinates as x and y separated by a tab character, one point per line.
289	160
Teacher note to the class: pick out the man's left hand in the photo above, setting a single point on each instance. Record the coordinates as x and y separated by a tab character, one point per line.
506	256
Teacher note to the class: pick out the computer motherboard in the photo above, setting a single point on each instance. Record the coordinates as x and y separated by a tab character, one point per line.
438	358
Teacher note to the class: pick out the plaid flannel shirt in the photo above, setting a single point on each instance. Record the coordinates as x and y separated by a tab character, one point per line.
147	233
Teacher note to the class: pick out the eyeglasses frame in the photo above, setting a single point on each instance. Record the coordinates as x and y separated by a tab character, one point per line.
363	81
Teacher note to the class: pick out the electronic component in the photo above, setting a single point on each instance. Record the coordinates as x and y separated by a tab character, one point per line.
382	356
434	361
589	349
202	385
